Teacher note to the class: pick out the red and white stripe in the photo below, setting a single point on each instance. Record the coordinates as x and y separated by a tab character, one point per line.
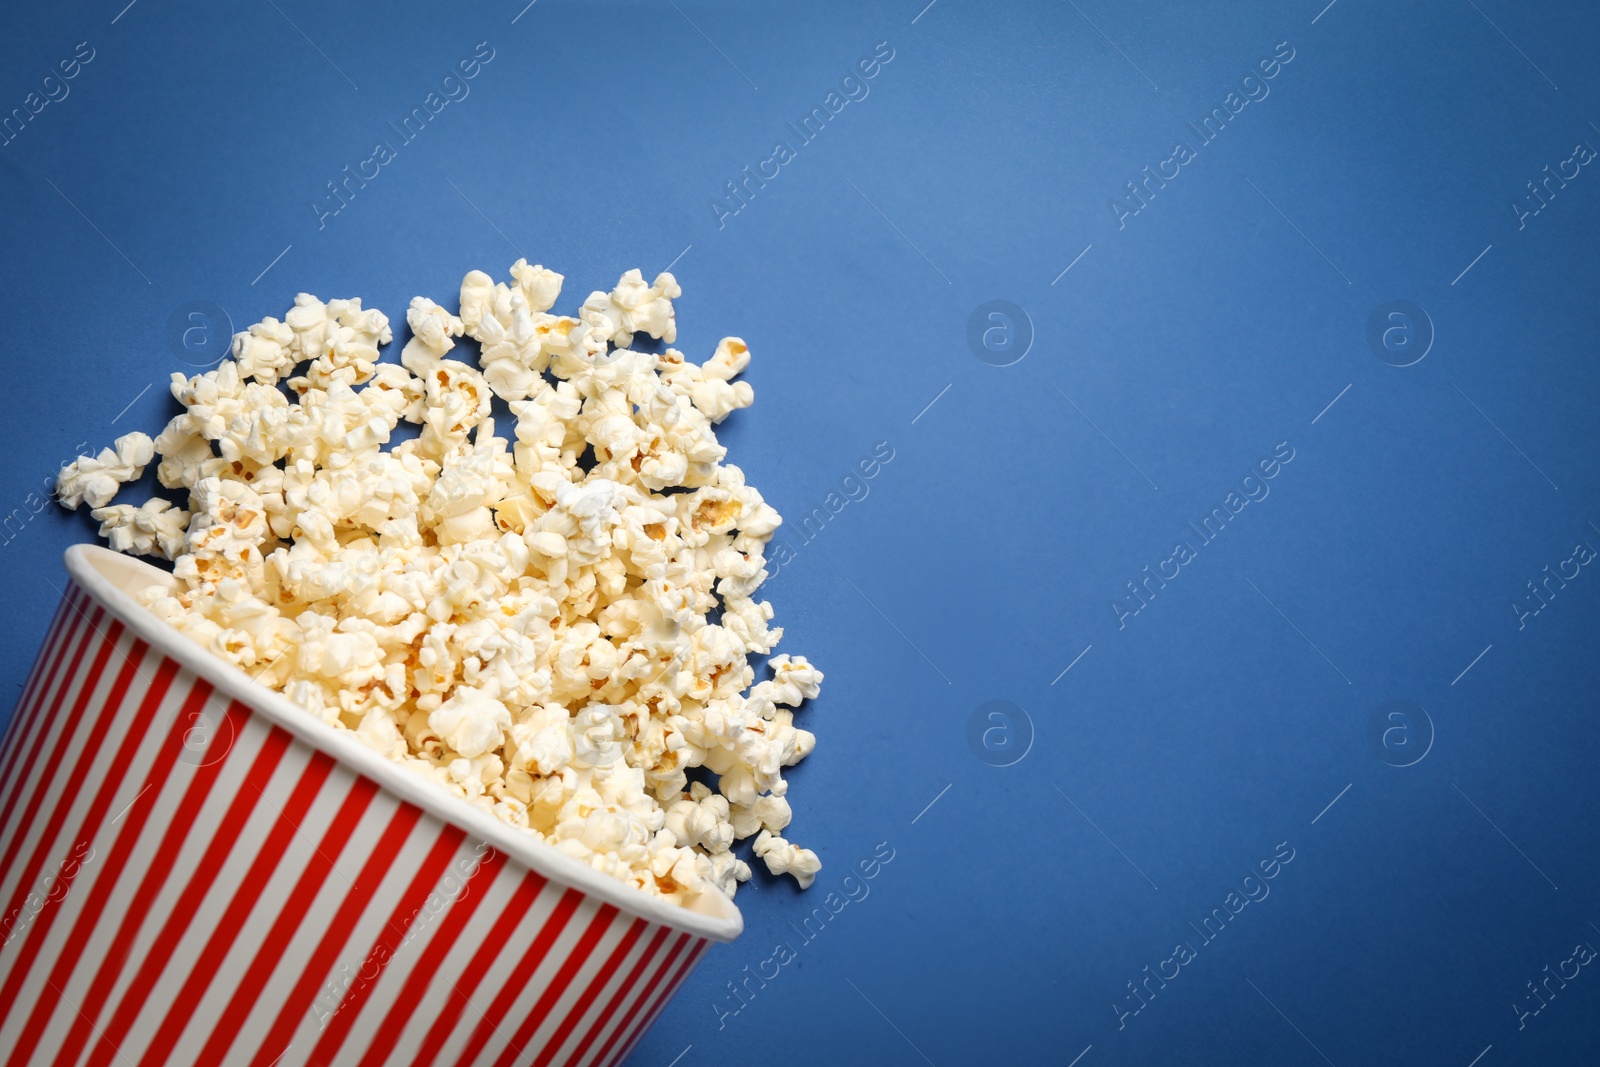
260	901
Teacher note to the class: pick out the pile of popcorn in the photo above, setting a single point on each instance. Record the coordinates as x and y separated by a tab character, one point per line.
524	620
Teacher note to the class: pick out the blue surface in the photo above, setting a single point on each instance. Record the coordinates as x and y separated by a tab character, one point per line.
1184	745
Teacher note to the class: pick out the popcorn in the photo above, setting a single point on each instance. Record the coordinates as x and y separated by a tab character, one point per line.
95	479
264	351
708	386
514	623
183	452
455	400
433	333
154	528
727	870
540	287
471	722
350	350
633	307
783	858
794	680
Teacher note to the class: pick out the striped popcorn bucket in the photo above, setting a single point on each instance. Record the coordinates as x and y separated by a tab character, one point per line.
195	871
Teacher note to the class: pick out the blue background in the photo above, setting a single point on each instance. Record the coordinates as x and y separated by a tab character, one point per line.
1178	351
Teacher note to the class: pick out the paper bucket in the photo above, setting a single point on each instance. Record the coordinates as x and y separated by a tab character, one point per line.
195	871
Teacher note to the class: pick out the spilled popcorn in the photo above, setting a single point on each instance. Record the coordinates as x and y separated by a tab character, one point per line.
524	620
